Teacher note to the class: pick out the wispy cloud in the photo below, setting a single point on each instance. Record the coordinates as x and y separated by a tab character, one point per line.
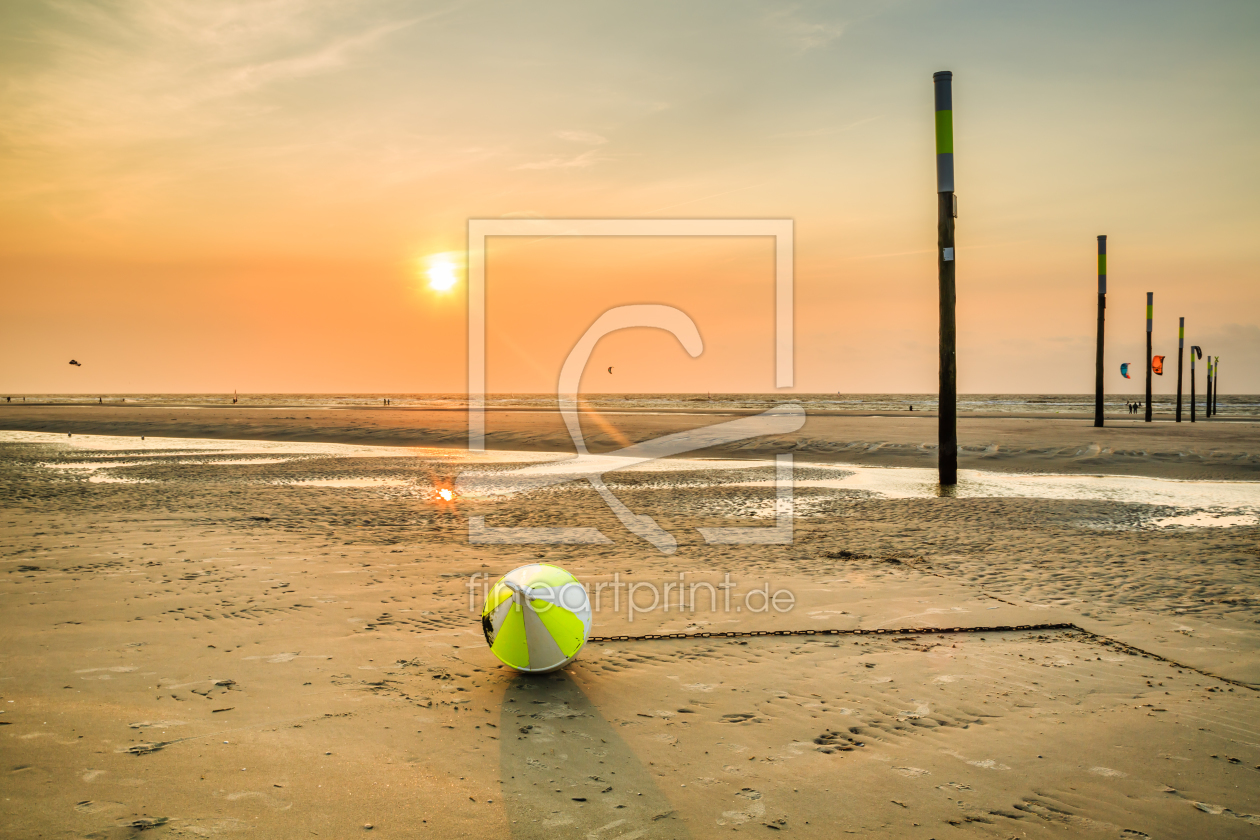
150	70
582	161
590	138
827	130
792	23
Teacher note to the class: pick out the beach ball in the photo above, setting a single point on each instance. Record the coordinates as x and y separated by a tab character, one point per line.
536	618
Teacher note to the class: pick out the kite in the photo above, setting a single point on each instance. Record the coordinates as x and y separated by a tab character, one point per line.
76	364
610	370
536	618
1157	365
1124	370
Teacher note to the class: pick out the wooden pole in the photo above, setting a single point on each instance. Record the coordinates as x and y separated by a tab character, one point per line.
1216	385
1102	312
1207	396
1181	346
947	430
1150	309
1193	350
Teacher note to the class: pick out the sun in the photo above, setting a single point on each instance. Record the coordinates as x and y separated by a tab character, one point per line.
442	276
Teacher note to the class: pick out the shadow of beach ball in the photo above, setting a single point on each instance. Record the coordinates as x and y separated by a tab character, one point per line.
536	618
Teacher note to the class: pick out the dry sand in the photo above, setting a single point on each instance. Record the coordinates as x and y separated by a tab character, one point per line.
245	643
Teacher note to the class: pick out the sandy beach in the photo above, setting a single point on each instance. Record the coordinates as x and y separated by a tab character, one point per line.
328	327
273	637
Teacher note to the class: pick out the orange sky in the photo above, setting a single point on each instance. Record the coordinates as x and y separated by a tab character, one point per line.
202	197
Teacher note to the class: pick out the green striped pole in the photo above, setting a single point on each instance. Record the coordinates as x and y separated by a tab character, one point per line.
947	431
1102	311
1150	310
1181	346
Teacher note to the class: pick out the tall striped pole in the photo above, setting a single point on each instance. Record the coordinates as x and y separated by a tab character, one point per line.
1150	319
1181	346
947	431
1102	312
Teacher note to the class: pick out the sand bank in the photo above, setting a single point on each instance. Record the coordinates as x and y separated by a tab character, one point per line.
1204	450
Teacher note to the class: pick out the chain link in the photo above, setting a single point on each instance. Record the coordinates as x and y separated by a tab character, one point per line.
900	631
1115	644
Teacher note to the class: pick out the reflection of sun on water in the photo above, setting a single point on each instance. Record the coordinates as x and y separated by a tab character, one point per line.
445	494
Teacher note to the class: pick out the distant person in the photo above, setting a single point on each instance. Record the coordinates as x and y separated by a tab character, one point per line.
912	408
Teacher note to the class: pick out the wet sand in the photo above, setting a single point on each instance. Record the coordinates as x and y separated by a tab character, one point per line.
221	641
1217	449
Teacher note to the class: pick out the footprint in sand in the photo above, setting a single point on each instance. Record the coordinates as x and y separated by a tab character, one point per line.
266	799
276	657
750	806
1107	771
912	772
88	806
833	741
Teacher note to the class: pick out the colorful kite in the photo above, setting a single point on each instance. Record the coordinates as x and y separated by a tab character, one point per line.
1124	370
1157	365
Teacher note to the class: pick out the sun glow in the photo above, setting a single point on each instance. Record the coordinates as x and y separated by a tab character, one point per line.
445	494
442	276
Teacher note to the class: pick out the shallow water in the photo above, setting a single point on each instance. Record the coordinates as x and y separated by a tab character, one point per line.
163	447
1231	405
107	459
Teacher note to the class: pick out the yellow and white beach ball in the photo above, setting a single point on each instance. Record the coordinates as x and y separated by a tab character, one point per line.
536	618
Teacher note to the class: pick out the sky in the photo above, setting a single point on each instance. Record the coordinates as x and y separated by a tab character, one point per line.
202	197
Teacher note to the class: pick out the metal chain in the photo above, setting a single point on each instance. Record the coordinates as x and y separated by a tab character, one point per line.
900	631
1115	644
